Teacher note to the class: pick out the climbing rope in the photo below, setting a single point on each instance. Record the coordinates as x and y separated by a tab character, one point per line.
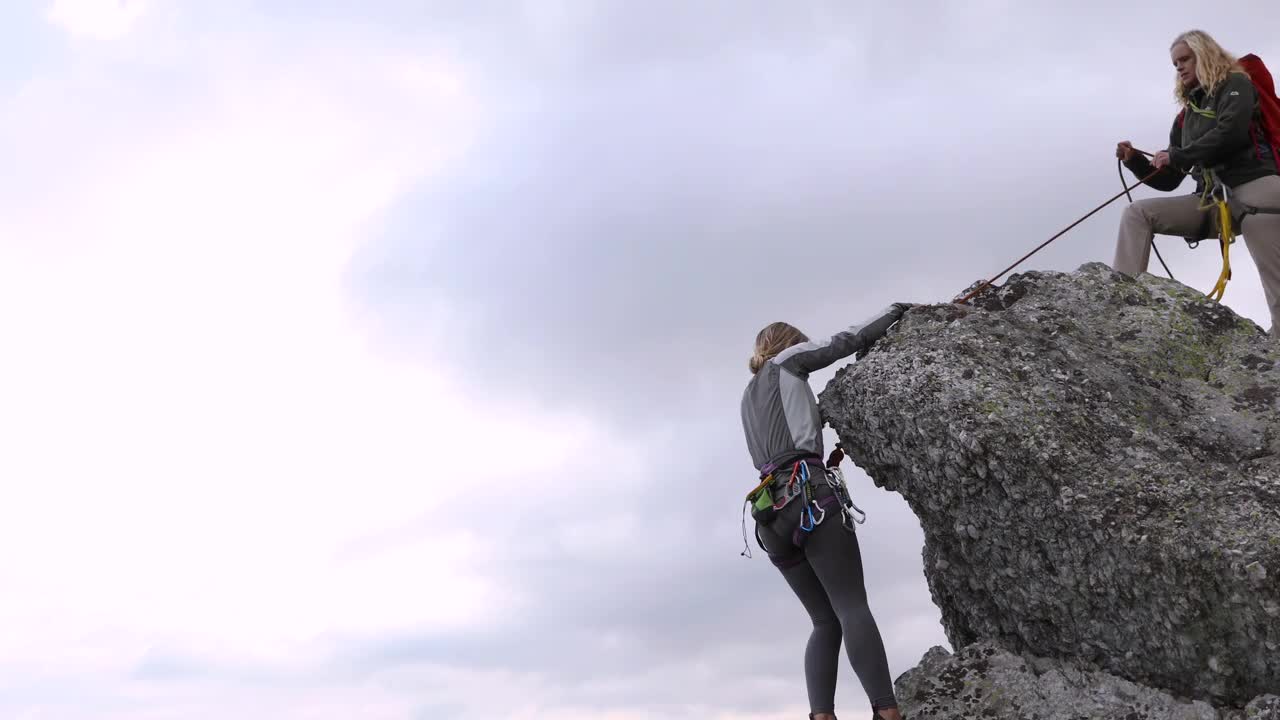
1120	170
987	283
1226	235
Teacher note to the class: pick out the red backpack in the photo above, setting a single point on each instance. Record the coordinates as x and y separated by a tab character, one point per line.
1268	104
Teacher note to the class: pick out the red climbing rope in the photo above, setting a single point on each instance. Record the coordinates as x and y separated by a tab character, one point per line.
987	283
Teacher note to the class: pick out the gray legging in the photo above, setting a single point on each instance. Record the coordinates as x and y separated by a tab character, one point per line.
825	572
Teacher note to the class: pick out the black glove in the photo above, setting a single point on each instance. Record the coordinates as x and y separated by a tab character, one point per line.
836	456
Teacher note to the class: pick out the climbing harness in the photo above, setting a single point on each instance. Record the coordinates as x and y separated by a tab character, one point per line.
767	499
766	503
1218	196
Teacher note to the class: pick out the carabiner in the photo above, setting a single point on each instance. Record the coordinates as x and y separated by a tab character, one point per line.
807	513
822	512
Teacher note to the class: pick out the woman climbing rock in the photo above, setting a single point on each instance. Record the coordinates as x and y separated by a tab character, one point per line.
799	524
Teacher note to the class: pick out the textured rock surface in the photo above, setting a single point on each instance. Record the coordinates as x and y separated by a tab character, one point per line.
986	681
1093	461
1264	708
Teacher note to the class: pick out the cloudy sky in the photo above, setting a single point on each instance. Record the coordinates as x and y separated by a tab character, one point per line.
385	362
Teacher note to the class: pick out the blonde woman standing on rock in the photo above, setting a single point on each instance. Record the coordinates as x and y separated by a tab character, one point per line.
1219	134
799	529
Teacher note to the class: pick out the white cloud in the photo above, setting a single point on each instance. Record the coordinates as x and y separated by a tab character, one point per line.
211	473
202	453
100	19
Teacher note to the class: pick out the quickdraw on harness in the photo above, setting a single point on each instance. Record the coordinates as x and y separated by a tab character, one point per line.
1217	196
765	507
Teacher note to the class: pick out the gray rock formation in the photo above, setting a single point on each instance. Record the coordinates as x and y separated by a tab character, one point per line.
1266	707
986	681
1093	459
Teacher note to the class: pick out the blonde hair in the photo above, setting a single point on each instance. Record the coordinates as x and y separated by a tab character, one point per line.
773	339
1213	64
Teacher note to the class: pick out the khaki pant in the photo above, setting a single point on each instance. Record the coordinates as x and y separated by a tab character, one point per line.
1179	216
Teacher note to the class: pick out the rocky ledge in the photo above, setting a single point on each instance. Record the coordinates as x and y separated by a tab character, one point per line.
986	681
